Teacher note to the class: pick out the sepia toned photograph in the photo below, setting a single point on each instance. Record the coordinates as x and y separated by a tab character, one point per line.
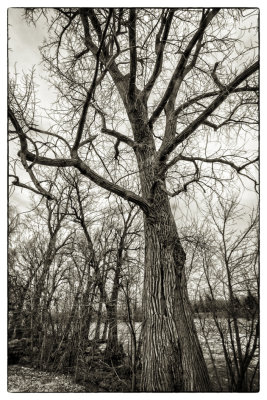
133	204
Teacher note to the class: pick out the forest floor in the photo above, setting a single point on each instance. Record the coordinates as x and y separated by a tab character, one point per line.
25	379
29	380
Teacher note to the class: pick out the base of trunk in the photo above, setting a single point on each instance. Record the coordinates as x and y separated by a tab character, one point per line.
172	358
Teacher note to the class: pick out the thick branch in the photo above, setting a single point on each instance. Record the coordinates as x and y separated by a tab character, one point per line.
180	69
19	131
169	147
209	160
111	132
17	182
119	136
215	77
133	55
24	149
52	162
112	187
95	23
159	45
214	93
118	78
89	140
90	92
87	36
93	176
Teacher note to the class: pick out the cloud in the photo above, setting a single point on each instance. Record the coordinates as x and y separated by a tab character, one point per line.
20	199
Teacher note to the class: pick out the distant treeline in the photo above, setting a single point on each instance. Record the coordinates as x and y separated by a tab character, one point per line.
243	306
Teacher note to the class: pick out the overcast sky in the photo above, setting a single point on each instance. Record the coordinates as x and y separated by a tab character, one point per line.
23	54
24	42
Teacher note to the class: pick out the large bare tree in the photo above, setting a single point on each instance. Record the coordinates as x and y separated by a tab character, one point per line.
152	104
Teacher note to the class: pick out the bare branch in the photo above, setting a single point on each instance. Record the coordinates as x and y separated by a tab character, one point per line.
215	77
210	160
159	46
119	136
17	182
178	74
89	140
89	93
214	93
93	176
32	128
166	149
133	55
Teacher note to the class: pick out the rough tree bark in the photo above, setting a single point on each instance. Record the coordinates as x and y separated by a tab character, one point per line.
172	356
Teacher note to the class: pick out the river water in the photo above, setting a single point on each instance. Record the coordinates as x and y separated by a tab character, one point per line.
208	334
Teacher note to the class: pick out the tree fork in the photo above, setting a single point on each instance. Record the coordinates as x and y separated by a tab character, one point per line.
172	357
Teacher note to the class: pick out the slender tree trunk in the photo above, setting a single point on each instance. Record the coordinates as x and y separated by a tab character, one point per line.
99	318
17	317
112	312
133	351
105	330
112	342
87	309
41	285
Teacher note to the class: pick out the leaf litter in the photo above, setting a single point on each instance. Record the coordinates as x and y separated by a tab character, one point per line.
28	380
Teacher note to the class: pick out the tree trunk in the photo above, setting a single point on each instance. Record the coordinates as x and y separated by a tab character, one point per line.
112	348
41	286
172	356
87	309
99	317
15	329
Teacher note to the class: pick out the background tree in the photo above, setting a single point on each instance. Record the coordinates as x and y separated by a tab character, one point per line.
226	264
152	104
